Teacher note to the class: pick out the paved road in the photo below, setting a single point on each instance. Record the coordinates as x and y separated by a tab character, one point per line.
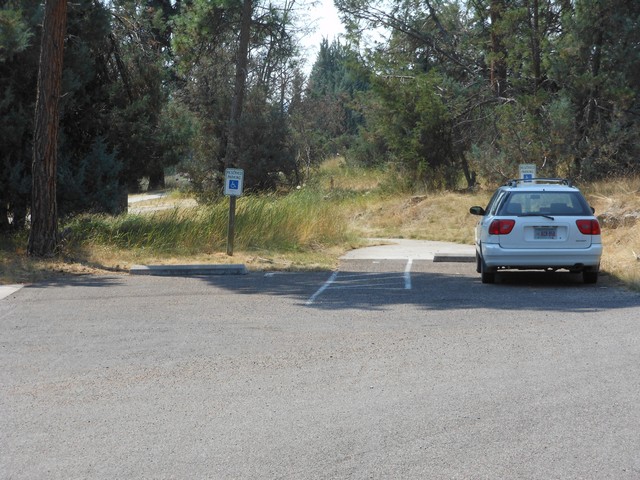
400	368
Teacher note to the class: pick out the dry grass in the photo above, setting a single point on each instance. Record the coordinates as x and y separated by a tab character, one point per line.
438	216
18	268
617	205
336	175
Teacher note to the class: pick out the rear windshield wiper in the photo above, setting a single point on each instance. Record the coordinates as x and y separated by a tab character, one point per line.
536	215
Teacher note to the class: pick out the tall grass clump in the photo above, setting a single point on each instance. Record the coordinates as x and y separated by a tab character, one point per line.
176	231
301	220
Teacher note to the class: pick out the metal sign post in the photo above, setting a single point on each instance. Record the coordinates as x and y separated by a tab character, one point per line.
233	183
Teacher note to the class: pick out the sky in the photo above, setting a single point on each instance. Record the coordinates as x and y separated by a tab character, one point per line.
325	18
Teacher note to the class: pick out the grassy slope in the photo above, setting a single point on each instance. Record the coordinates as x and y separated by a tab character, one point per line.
308	229
617	205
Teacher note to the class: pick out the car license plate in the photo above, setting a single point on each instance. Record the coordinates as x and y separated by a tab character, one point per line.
545	233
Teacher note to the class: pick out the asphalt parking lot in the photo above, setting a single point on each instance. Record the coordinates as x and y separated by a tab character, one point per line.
386	368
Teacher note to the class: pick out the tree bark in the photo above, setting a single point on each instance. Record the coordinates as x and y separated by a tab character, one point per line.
156	178
242	60
535	36
498	50
43	237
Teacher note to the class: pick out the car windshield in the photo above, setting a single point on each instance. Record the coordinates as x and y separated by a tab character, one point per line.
545	203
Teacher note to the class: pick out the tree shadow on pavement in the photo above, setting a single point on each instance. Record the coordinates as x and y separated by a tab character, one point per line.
440	288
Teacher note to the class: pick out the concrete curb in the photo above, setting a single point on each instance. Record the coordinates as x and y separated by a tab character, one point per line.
454	257
188	270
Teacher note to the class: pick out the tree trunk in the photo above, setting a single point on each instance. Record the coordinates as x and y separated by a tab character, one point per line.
4	214
156	179
43	237
535	36
498	50
233	137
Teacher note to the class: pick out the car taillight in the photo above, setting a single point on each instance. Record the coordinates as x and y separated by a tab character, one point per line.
501	227
588	227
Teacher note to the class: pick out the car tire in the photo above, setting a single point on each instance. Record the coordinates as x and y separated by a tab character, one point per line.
590	276
478	263
487	275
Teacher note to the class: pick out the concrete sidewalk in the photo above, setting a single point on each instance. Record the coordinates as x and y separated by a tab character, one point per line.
404	249
385	249
6	290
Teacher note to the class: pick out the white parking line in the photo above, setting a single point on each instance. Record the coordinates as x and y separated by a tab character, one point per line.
369	286
375	278
322	288
371	281
407	275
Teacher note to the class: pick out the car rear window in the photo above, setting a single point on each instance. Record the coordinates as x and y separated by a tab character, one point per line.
545	203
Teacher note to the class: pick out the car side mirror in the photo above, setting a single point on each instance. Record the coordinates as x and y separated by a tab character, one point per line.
477	211
593	210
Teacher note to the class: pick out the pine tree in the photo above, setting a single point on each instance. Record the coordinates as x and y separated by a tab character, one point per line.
43	237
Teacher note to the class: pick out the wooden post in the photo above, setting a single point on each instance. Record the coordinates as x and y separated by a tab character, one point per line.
231	231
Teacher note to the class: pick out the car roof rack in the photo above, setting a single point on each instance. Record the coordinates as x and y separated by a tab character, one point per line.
560	181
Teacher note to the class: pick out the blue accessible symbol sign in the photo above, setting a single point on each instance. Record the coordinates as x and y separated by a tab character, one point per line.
527	172
233	180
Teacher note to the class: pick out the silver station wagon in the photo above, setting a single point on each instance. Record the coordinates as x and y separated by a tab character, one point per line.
538	224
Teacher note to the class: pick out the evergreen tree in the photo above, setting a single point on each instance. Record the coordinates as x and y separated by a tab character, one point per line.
206	43
43	236
19	52
598	71
337	78
549	82
141	59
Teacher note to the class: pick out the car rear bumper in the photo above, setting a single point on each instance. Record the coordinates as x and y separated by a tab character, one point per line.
496	256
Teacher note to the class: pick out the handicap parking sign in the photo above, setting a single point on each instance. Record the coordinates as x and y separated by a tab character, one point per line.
527	172
233	180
